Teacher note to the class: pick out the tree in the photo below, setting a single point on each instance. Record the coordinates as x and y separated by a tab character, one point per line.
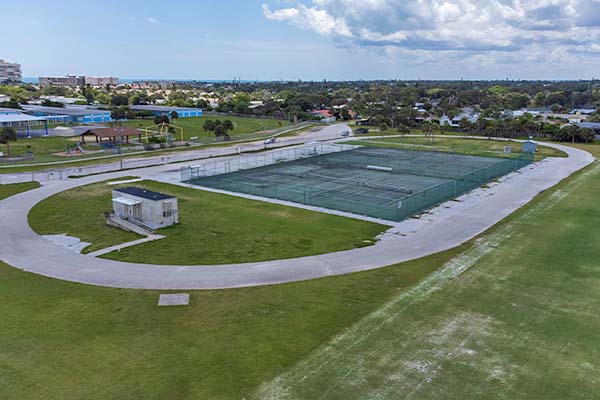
209	125
403	130
118	114
161	119
228	125
465	124
8	134
174	115
119	100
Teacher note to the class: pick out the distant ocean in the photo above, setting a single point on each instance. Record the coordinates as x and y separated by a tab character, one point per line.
32	80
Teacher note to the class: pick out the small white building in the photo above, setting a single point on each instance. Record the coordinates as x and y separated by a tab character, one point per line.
144	207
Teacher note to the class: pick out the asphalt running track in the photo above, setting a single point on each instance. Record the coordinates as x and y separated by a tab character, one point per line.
448	226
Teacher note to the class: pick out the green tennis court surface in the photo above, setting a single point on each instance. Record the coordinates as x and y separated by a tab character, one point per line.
386	183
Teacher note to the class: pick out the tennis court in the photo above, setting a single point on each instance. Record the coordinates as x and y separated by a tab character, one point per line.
385	183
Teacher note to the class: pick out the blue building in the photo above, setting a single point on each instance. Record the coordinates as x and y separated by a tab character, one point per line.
183	112
72	114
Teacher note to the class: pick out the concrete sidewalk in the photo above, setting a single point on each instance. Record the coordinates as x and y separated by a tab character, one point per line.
448	226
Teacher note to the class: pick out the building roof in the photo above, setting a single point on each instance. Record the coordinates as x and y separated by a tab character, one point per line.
126	201
10	110
151	107
143	193
10	118
71	111
111	132
592	125
322	113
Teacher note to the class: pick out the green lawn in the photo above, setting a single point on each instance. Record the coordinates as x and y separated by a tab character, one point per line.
192	127
213	228
481	147
520	321
12	189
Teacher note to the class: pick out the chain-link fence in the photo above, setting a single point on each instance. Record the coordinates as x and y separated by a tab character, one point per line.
392	184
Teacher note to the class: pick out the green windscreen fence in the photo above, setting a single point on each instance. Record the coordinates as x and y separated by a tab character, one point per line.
386	183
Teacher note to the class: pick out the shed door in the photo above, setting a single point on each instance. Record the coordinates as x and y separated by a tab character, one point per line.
137	212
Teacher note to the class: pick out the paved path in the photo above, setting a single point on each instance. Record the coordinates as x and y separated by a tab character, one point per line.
199	152
149	238
446	227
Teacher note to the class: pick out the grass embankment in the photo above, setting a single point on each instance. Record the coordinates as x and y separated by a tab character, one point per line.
14	188
479	147
213	228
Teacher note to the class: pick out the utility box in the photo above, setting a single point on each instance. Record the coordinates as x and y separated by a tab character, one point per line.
144	207
529	147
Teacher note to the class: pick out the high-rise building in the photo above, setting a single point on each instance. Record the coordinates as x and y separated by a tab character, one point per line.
10	72
69	80
74	80
101	81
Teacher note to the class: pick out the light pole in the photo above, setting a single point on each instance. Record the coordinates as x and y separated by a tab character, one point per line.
120	156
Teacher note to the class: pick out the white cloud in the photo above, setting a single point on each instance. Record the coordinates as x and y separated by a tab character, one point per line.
312	18
152	20
454	29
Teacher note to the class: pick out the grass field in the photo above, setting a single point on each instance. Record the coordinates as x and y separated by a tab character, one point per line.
515	316
480	147
193	126
12	189
511	315
213	228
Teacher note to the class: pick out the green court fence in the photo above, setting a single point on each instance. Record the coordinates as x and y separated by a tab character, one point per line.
391	184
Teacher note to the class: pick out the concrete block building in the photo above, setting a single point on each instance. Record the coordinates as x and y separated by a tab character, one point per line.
144	207
10	72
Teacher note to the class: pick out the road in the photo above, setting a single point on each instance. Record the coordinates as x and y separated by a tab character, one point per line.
447	226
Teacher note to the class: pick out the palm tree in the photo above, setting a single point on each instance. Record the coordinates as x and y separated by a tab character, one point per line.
209	125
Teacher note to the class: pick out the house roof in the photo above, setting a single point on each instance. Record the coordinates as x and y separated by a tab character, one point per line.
323	113
117	131
143	193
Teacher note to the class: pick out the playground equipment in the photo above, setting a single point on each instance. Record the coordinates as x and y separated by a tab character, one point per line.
163	130
76	148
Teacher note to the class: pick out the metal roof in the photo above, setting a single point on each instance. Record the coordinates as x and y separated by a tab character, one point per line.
150	107
71	111
126	201
10	110
143	193
6	118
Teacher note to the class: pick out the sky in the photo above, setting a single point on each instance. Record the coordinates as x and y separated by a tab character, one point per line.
305	39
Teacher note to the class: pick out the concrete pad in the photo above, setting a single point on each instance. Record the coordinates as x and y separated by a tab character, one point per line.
68	242
125	181
174	299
